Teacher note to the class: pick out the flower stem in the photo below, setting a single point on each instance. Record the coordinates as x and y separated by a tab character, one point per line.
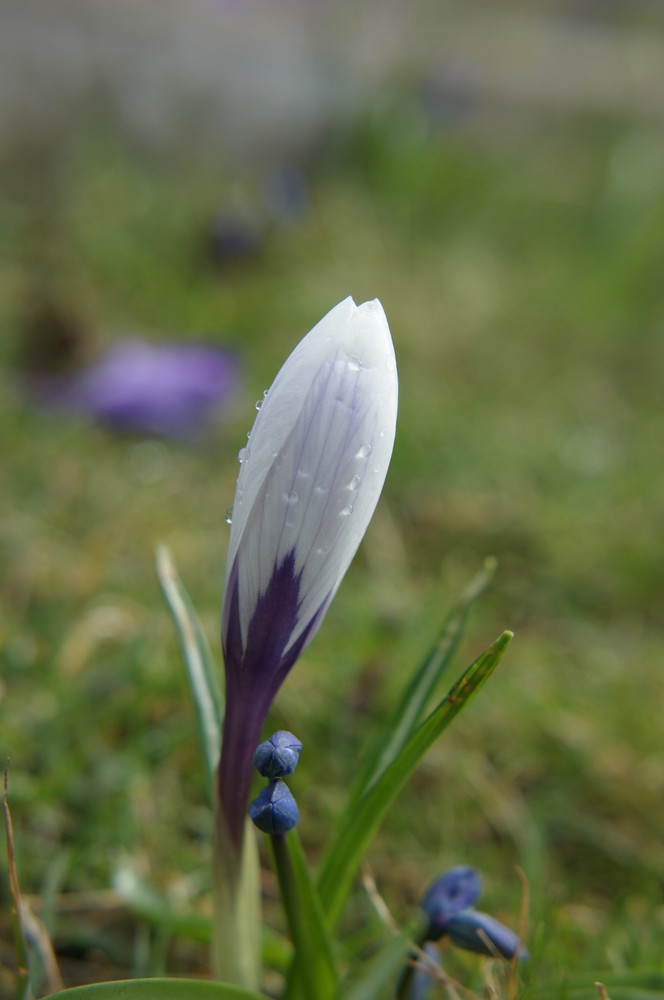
314	985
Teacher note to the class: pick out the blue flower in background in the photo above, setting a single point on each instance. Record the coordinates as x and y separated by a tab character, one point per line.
163	389
309	482
448	905
478	932
455	889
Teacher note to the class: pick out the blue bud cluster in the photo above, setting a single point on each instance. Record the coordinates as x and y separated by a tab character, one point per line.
275	810
448	905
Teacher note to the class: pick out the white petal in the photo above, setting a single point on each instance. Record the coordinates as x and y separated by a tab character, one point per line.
317	459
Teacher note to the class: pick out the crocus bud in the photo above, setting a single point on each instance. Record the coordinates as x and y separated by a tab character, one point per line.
275	810
478	932
278	756
309	482
455	890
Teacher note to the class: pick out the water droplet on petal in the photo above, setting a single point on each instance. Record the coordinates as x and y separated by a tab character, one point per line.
242	455
354	365
354	483
228	515
363	451
292	497
258	404
346	511
321	489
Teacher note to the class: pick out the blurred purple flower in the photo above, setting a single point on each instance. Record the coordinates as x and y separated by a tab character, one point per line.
236	235
448	907
285	194
163	389
474	931
423	974
453	891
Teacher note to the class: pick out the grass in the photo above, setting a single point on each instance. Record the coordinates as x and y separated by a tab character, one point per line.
522	279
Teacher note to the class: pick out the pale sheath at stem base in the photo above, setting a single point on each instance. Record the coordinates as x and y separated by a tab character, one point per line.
236	890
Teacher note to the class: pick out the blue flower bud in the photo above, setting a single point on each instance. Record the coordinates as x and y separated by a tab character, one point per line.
275	810
478	932
423	979
278	756
455	890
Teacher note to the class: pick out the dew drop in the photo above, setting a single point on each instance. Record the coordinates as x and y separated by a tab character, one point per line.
258	404
292	497
363	451
354	483
242	455
228	515
346	511
321	489
354	365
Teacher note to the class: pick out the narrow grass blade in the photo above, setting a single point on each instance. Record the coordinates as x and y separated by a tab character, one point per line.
201	669
23	988
313	973
379	974
347	850
157	989
408	710
637	984
591	992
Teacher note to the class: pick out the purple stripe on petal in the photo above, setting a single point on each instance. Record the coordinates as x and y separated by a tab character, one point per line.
273	622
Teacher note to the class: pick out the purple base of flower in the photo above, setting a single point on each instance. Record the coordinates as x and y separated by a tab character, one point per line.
253	677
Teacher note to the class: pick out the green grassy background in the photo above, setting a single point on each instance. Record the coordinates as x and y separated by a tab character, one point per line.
522	277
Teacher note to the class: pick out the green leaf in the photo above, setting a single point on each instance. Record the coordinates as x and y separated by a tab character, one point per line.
379	974
408	710
349	846
320	940
202	672
313	973
157	989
